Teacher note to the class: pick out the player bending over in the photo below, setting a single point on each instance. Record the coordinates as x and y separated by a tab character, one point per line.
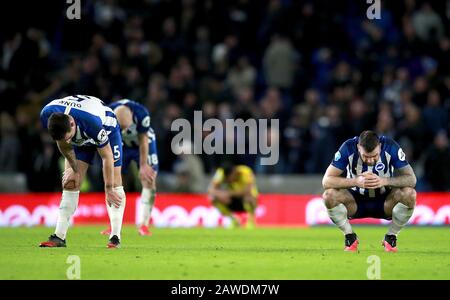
379	183
139	145
233	189
83	126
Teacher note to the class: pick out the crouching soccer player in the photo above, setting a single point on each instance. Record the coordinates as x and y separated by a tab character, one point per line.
83	126
379	183
233	189
139	145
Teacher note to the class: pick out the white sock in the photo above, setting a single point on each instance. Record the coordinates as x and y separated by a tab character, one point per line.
116	214
338	215
147	201
67	207
400	217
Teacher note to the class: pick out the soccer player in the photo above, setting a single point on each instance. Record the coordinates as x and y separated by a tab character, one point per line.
233	189
370	177
139	145
83	126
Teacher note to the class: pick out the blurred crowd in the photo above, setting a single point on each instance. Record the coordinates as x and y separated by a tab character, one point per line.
322	68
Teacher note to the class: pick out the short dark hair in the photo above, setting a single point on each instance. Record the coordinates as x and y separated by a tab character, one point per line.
58	125
227	168
368	140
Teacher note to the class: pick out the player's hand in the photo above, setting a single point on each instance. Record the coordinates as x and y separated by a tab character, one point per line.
146	173
367	180
373	181
71	178
361	181
113	198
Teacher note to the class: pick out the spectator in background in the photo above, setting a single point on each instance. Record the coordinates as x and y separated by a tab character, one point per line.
313	103
106	12
171	43
188	168
328	130
420	88
162	123
393	87
157	95
435	117
225	54
89	72
177	57
43	175
271	105
9	143
202	50
427	24
341	75
399	107
297	137
437	163
411	128
443	55
176	86
358	117
279	62
245	104
385	122
242	75
322	63
190	105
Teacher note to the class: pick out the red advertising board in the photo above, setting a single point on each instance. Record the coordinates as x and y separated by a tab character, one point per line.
188	210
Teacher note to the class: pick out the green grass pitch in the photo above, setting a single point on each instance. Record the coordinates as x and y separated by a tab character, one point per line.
201	253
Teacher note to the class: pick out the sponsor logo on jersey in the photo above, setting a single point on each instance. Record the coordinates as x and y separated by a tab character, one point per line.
379	166
337	156
146	121
401	155
102	136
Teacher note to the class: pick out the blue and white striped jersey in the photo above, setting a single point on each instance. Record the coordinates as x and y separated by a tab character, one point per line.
348	160
141	123
94	120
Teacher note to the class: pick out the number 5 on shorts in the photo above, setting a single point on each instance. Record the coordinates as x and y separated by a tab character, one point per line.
116	152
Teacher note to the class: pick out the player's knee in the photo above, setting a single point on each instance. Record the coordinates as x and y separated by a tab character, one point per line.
408	196
329	197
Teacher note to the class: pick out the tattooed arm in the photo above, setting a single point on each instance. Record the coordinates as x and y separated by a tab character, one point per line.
404	177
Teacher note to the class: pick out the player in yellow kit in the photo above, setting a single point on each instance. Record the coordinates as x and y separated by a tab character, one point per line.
233	189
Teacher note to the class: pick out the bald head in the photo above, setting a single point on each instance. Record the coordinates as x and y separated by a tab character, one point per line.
124	116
